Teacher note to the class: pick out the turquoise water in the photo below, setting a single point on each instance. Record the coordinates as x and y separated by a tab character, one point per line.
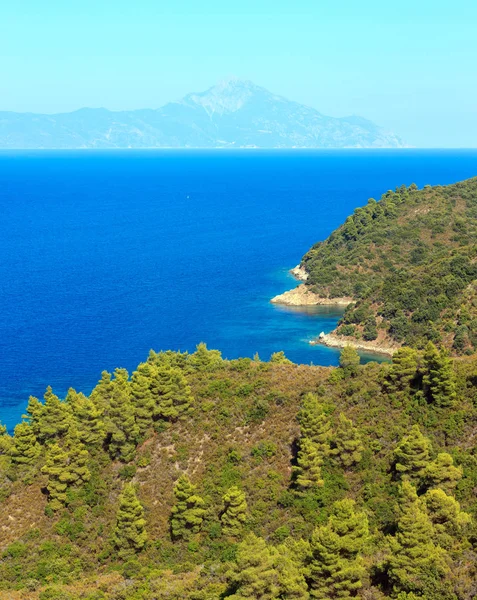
105	255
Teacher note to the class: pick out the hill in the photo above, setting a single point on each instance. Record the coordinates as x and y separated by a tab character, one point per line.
235	114
202	478
409	264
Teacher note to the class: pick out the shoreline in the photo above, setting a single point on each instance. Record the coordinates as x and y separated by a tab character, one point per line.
335	341
302	296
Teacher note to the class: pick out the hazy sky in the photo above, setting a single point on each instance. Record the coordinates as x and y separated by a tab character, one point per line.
409	65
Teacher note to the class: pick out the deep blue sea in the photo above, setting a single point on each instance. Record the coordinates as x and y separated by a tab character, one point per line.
104	255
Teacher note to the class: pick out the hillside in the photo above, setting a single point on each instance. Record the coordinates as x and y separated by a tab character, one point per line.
409	262
235	114
202	478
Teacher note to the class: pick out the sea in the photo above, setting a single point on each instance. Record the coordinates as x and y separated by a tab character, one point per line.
107	254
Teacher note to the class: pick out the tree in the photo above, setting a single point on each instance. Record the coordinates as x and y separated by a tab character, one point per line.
447	517
142	396
174	397
25	449
347	444
234	514
103	392
415	558
204	359
441	473
404	369
280	358
66	468
55	418
89	423
439	380
315	423
370	331
349	361
336	569
121	426
6	441
34	412
255	575
188	512
291	578
307	472
411	457
130	534
55	468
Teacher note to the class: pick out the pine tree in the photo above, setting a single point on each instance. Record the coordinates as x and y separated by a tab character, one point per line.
6	441
121	426
349	361
25	449
142	396
34	413
447	517
103	393
412	454
404	370
442	473
280	358
347	445
291	578
66	468
188	512
130	534
204	359
315	423
89	423
307	472
255	575
439	380
336	569
55	418
174	397
415	556
55	468
234	514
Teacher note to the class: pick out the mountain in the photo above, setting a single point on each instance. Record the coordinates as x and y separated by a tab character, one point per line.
409	263
235	114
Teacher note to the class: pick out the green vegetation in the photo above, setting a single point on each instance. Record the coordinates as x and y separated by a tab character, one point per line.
203	478
408	260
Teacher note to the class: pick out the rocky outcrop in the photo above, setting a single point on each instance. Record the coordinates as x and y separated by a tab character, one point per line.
299	273
336	341
303	296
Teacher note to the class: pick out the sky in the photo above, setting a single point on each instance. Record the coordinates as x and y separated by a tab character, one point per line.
410	66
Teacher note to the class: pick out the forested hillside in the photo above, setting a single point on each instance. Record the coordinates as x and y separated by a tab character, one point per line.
410	262
196	477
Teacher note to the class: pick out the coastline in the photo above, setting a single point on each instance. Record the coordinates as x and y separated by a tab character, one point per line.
335	341
302	296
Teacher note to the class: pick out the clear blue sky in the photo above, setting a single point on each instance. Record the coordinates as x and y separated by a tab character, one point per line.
410	66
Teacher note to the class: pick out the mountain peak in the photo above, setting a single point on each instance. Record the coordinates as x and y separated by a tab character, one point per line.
235	113
228	96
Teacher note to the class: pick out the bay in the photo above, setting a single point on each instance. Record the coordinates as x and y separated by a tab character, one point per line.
104	255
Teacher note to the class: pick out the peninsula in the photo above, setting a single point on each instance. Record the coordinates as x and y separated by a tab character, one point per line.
405	267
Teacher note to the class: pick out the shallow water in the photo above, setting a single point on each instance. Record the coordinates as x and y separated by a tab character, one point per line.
105	255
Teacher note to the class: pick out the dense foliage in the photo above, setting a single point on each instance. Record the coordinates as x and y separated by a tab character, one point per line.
409	262
201	478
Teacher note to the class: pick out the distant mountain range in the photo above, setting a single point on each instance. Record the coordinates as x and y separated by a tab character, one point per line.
235	114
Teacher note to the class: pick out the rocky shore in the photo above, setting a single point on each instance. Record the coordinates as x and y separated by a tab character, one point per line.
302	296
336	341
300	273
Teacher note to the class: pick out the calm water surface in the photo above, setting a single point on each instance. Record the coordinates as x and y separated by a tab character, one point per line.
104	255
